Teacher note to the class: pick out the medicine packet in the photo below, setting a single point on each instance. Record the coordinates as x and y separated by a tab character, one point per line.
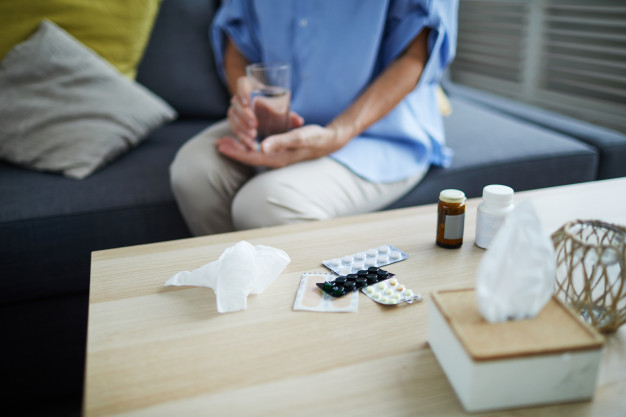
391	292
374	257
311	298
343	285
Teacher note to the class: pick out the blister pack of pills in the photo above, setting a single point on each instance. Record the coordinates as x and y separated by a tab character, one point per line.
391	292
374	257
343	285
310	298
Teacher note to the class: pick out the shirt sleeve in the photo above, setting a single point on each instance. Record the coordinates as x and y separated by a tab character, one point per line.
235	19
407	18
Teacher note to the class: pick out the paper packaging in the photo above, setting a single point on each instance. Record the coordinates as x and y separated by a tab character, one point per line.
552	358
242	269
516	275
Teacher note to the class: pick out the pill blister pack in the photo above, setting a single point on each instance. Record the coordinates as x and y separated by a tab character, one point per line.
391	292
310	298
374	257
343	285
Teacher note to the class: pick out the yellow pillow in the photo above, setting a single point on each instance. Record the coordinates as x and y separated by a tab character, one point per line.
118	30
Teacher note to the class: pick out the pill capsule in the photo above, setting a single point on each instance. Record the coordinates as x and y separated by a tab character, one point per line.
382	275
345	270
384	249
372	279
338	291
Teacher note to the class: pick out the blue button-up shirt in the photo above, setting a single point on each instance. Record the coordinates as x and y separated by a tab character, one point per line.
336	48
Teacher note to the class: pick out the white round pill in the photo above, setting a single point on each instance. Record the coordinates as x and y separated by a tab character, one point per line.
384	249
370	262
382	259
369	290
395	254
388	291
334	262
381	285
360	256
376	296
408	293
384	300
372	252
357	266
347	260
400	287
393	281
396	296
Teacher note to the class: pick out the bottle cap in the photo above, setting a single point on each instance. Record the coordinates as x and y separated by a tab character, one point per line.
499	194
452	196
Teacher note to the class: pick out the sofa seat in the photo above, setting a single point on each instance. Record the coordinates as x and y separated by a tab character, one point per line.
491	147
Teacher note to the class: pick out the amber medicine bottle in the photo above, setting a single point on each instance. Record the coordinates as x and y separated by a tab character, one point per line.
450	218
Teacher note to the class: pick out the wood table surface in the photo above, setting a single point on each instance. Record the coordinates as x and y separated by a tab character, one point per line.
166	351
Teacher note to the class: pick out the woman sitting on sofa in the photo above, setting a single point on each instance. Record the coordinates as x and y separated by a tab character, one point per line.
365	125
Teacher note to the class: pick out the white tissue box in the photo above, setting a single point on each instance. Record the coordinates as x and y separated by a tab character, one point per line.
551	358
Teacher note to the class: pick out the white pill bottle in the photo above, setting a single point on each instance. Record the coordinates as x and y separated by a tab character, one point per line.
497	203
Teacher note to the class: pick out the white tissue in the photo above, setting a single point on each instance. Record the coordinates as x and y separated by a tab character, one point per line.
516	276
240	270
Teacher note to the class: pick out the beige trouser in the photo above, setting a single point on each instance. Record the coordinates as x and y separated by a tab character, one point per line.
216	194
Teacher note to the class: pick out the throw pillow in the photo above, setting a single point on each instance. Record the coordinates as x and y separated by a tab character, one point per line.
65	109
118	30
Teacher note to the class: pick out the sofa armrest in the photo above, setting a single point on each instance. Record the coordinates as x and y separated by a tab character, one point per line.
611	144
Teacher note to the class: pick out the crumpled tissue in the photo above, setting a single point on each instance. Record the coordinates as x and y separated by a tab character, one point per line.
516	275
240	270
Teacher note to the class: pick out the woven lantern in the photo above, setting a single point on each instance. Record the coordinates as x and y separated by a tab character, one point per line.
590	273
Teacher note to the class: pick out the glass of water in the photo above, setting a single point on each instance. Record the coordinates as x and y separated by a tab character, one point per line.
270	96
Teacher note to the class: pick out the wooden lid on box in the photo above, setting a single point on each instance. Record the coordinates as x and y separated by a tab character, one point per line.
555	329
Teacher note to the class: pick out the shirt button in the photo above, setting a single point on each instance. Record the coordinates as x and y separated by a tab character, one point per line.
303	23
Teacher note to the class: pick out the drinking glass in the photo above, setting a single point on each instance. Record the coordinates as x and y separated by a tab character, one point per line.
270	96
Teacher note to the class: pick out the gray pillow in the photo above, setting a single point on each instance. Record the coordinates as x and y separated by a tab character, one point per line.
65	109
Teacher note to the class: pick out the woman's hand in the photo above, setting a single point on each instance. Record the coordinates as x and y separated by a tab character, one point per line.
306	142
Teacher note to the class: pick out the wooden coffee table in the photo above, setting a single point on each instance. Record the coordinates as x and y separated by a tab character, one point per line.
156	350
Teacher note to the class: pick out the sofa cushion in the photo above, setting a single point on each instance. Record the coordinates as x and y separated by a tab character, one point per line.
178	63
65	109
50	224
494	148
118	30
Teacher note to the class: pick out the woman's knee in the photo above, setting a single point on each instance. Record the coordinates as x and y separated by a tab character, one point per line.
269	201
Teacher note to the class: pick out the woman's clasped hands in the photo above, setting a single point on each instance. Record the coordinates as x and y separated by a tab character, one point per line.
300	142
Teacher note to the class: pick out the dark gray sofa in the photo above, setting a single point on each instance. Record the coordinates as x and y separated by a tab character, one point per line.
49	225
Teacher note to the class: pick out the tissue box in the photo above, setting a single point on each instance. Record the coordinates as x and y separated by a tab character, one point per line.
553	357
